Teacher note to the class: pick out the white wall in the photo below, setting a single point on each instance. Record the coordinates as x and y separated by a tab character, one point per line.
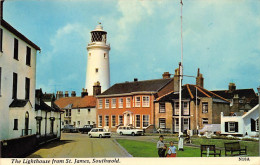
247	121
232	119
10	65
83	117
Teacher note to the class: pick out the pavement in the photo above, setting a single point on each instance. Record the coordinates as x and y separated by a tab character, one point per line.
76	145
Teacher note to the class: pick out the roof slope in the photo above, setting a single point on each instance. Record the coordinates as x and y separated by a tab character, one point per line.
18	34
189	92
18	103
137	86
76	102
247	93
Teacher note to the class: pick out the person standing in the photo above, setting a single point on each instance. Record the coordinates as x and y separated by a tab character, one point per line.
161	147
171	150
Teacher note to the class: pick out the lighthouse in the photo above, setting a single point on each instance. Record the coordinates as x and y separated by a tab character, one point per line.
98	70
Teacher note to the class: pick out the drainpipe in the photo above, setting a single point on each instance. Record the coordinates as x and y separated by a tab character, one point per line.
45	124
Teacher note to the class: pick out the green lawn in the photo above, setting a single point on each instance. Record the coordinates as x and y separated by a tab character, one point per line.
148	149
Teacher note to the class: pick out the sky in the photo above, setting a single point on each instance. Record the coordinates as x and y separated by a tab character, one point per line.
221	37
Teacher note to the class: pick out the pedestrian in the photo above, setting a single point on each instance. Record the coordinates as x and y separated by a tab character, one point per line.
161	147
171	150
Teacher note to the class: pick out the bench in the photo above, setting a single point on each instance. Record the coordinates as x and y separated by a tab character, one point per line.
209	150
234	147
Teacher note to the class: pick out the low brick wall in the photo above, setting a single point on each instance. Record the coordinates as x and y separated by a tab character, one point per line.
18	147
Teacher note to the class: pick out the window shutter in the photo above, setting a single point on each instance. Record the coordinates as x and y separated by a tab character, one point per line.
252	125
226	126
236	126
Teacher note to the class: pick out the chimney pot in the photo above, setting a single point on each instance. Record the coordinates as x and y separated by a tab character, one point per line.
84	92
73	93
135	79
96	88
166	75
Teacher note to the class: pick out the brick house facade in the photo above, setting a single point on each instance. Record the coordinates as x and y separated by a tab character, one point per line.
131	103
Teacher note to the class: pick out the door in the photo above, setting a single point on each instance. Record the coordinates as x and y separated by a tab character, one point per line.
128	119
26	127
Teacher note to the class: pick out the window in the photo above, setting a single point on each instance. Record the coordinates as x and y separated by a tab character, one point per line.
14	85
68	113
38	127
137	121
105	55
137	101
88	110
204	107
15	124
176	125
1	40
78	111
120	120
0	79
162	123
107	103
185	124
185	108
96	70
113	121
89	54
176	108
120	102
88	122
100	103
146	101
28	56
128	102
145	120
78	123
205	121
15	49
113	103
161	107
231	126
27	88
100	121
106	120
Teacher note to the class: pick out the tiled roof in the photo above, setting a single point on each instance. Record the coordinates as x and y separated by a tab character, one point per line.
18	34
18	103
77	102
247	93
189	92
137	86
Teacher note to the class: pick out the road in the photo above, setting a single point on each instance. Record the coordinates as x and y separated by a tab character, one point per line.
76	145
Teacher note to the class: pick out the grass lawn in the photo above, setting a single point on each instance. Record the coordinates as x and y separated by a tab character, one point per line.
148	149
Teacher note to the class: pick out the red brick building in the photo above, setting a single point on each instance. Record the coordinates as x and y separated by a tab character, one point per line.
131	103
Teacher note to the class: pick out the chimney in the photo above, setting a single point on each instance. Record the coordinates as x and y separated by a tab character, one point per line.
199	79
176	80
231	87
166	75
73	93
66	93
1	9
59	95
135	79
96	89
84	92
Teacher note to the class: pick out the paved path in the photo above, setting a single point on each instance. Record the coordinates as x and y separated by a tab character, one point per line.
76	145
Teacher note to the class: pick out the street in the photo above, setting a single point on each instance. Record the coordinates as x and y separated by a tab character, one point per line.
76	145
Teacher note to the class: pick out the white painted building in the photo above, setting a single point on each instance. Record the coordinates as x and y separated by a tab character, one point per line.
17	82
241	123
78	111
98	60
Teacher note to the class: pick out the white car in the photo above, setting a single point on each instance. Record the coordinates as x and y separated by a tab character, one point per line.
98	132
127	130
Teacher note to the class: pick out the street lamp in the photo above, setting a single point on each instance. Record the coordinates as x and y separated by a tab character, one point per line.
259	114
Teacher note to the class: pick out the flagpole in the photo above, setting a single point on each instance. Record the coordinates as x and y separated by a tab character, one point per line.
180	145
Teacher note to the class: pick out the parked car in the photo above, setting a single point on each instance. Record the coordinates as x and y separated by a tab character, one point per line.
99	132
85	128
69	129
128	130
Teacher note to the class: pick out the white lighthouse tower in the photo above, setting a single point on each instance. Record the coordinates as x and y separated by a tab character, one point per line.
98	60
